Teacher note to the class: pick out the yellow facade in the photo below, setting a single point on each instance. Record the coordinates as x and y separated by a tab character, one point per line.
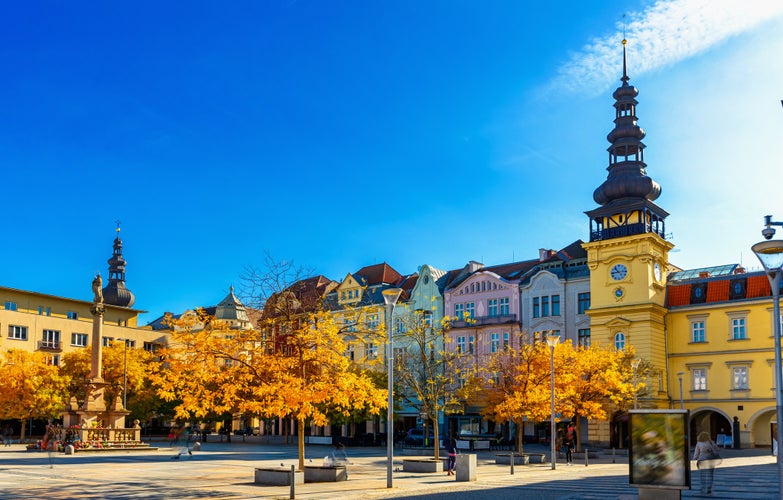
724	377
55	325
628	293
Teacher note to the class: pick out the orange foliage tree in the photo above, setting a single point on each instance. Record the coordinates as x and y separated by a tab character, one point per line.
30	388
590	382
212	368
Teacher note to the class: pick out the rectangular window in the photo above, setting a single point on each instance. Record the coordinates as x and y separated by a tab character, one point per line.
17	332
459	311
106	341
79	339
555	305
461	344
583	302
544	307
372	351
494	342
504	306
349	352
584	337
373	322
697	331
151	347
44	311
492	307
130	343
53	360
10	306
739	377
505	340
427	319
72	315
536	307
470	308
471	342
738	329
51	339
699	381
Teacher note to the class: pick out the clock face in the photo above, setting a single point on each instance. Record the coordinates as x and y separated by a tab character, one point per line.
657	271
618	292
618	272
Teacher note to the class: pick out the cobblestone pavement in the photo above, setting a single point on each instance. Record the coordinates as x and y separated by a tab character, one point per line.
226	470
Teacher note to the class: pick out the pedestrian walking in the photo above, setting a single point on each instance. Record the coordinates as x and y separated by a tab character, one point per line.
49	443
707	458
451	450
569	443
184	436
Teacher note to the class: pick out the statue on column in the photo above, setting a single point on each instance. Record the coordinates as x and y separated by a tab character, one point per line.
98	307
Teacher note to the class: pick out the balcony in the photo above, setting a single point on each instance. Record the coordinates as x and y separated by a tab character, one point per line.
485	320
49	345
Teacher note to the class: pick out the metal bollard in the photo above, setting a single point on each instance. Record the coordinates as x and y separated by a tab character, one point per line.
613	461
586	459
293	483
512	462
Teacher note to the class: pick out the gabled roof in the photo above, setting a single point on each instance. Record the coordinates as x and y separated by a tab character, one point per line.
378	273
407	285
308	294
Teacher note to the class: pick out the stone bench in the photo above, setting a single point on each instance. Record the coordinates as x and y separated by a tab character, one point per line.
278	476
325	474
422	465
505	459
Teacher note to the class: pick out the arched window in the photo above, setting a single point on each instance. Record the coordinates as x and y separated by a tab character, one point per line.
619	341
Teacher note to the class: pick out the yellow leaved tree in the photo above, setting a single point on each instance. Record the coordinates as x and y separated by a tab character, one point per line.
590	382
212	368
30	388
430	377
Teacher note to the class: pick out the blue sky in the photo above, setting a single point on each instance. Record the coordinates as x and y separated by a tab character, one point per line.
342	134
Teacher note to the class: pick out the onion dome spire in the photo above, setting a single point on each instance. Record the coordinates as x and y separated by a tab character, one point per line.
115	292
627	177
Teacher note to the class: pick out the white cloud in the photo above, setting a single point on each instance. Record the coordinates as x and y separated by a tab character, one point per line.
665	33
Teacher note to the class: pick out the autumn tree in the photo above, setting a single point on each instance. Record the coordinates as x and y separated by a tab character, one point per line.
30	388
590	382
428	376
517	386
594	382
76	365
218	369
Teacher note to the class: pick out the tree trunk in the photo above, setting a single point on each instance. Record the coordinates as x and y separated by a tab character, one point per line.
301	443
21	432
577	441
435	437
520	435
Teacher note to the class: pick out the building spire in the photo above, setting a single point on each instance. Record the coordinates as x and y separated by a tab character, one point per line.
627	189
115	292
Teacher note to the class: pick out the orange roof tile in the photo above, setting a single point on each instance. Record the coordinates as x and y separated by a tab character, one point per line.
679	295
718	291
758	286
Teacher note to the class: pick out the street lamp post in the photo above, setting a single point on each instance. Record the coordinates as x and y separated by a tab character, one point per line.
390	297
635	364
679	376
770	253
552	340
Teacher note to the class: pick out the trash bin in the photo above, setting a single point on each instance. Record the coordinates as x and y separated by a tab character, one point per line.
466	467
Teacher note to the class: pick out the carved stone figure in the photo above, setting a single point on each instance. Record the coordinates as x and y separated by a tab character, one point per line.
97	289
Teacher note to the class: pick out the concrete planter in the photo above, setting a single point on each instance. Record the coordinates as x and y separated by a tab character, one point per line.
422	465
505	459
535	458
321	474
278	476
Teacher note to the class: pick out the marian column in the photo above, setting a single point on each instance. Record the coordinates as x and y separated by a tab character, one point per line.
97	310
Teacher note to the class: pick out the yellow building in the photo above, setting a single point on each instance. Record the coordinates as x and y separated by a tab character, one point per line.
719	333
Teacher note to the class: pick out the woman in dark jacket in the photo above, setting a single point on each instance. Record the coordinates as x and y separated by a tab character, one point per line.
451	449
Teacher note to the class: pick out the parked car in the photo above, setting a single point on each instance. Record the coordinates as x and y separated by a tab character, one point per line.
415	437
